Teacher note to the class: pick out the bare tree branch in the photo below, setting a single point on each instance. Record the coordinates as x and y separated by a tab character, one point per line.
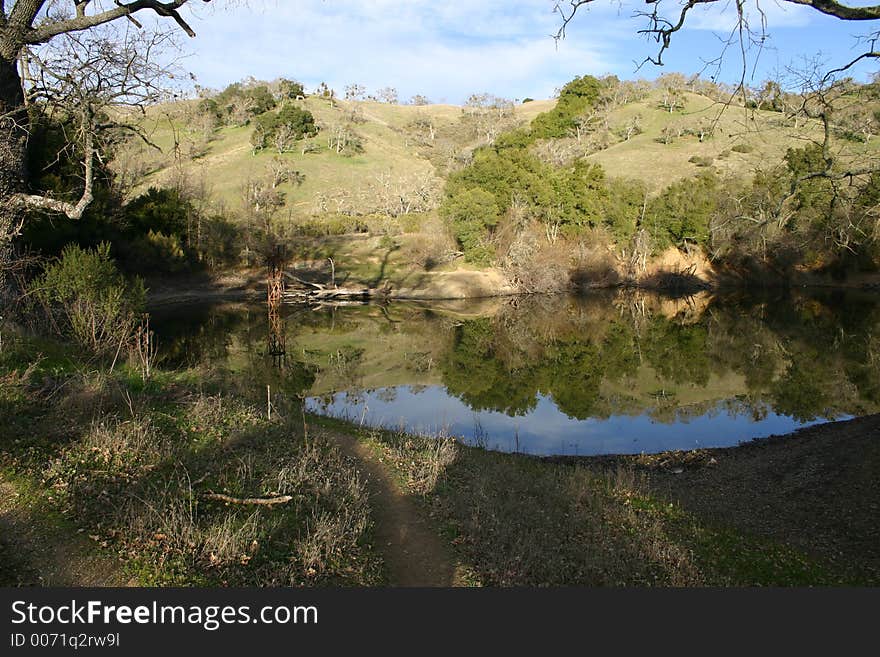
661	28
90	79
24	13
841	11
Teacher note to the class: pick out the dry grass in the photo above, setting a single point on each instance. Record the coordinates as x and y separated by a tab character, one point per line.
522	522
518	521
131	466
421	461
744	140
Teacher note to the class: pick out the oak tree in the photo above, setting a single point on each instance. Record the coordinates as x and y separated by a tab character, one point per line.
26	25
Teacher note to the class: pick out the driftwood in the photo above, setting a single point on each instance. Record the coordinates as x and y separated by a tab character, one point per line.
309	292
253	501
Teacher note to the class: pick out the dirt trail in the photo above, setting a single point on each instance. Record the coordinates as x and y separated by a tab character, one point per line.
54	557
414	554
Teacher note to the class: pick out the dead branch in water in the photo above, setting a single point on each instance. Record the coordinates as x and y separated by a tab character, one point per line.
310	292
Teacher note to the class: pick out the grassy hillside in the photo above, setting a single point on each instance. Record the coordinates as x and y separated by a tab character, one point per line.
759	137
743	140
227	160
373	208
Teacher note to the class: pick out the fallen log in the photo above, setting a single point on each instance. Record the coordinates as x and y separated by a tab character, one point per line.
252	501
302	282
310	292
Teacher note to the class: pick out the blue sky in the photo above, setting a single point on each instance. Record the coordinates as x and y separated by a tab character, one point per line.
448	50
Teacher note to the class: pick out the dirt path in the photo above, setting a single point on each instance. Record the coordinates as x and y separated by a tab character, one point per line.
50	556
414	554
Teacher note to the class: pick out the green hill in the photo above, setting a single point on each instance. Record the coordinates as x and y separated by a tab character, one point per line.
366	188
744	140
227	160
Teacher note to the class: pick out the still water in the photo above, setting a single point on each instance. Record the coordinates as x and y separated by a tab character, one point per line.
610	373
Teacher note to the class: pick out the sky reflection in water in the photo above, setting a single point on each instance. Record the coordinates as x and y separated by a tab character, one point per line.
605	374
547	431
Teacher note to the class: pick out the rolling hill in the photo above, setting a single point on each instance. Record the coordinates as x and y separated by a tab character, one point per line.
374	210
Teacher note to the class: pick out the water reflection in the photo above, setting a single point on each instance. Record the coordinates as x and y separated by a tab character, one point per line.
608	373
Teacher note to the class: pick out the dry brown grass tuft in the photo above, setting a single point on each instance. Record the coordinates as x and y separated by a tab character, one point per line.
422	460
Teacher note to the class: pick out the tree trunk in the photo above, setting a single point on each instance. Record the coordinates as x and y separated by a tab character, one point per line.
13	145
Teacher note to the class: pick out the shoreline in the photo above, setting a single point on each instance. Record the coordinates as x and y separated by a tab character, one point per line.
668	460
189	294
794	509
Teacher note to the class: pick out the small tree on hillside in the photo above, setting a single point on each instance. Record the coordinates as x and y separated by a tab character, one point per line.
489	115
388	95
291	89
328	94
282	130
673	87
344	141
631	128
355	92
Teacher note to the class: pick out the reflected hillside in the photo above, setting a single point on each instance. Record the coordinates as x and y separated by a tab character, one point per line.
768	363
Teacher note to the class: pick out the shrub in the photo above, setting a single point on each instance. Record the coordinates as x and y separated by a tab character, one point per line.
472	213
428	250
284	129
157	252
575	98
290	89
683	211
701	161
219	244
237	104
89	300
743	148
161	210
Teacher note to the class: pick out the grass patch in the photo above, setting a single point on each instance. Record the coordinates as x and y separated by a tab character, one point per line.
132	466
522	521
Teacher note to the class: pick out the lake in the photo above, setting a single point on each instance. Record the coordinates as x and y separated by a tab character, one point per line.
621	372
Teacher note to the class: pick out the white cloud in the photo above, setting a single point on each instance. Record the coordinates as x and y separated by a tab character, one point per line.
443	50
447	50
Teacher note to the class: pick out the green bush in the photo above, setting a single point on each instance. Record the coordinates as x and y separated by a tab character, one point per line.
574	99
299	123
683	212
411	223
160	210
623	208
572	198
291	89
257	99
158	252
472	213
220	242
160	233
89	300
743	148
